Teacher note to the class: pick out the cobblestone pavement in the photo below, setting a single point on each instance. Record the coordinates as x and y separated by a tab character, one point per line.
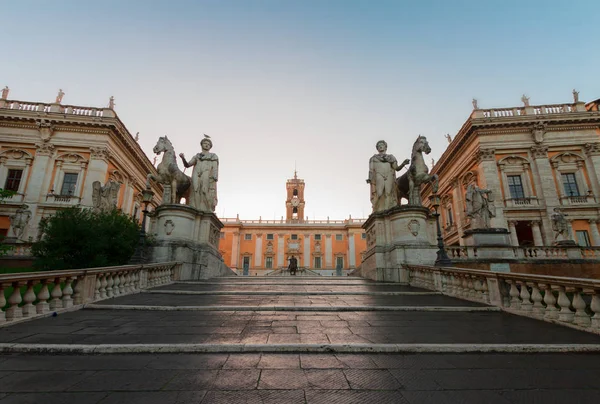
294	377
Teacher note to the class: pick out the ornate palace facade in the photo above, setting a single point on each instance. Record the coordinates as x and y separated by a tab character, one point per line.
260	246
50	154
534	159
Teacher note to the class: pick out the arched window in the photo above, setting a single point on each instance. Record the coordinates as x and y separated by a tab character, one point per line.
295	193
573	187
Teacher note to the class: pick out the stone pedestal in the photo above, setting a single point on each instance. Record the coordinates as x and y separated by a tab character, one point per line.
191	237
394	237
487	242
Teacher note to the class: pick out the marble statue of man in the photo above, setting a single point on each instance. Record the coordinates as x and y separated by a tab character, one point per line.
204	177
480	206
105	197
575	96
560	226
382	177
5	91
19	221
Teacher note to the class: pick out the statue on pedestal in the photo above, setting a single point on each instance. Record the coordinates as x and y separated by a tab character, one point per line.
575	96
480	207
105	197
205	175
409	184
111	102
19	221
174	181
382	178
561	228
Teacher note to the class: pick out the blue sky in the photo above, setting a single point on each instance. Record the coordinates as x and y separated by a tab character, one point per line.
315	83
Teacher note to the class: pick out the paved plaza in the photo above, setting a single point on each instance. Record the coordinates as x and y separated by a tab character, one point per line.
294	340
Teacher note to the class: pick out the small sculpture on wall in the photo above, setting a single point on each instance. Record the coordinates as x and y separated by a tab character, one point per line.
105	197
480	206
20	220
560	225
525	100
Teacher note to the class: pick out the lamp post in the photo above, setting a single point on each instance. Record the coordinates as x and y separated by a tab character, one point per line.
442	259
138	256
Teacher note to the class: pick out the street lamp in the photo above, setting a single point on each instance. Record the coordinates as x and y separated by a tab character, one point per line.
138	255
442	259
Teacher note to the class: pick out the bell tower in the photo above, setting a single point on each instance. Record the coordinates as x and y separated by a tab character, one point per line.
294	204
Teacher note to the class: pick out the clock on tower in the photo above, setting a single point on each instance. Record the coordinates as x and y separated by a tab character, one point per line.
294	204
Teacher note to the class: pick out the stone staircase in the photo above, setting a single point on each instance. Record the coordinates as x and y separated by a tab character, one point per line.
295	339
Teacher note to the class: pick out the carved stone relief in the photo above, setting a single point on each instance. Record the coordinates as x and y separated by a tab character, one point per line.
169	227
414	227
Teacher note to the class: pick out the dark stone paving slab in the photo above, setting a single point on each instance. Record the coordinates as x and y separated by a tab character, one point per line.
154	327
228	287
149	299
304	378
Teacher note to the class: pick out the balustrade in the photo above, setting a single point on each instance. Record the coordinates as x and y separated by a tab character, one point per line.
570	301
61	290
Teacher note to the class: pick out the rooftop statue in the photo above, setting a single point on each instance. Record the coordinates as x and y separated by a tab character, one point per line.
5	91
525	100
60	96
480	207
205	175
382	178
409	184
575	96
175	182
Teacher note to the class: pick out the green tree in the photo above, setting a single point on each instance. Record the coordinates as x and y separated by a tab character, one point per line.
80	238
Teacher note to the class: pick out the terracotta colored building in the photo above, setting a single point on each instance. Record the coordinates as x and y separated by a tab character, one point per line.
258	247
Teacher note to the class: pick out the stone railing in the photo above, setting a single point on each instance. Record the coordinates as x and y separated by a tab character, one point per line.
53	291
577	200
40	107
523	253
283	221
573	302
518	202
529	110
18	250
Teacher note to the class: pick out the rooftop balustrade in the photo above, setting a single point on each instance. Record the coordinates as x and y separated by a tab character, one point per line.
39	107
533	110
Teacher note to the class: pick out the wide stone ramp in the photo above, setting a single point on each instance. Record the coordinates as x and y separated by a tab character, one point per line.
288	340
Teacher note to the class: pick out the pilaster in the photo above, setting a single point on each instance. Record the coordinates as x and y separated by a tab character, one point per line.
537	233
96	171
306	250
258	251
489	178
595	233
328	251
235	250
280	249
41	171
545	177
351	251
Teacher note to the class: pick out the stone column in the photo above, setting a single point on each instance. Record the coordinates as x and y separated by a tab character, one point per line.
595	234
513	233
545	177
41	170
235	250
488	178
458	206
96	172
280	250
537	234
328	251
571	235
351	251
258	251
592	151
306	250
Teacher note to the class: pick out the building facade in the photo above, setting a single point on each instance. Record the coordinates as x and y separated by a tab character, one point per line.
536	160
257	247
50	154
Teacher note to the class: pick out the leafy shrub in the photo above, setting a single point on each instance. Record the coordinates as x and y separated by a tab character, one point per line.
81	238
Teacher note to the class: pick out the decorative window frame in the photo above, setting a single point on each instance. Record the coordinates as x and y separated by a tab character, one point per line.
447	203
570	163
249	255
335	258
516	165
70	163
15	159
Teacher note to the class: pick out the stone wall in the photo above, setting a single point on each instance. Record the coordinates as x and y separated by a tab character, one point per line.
590	270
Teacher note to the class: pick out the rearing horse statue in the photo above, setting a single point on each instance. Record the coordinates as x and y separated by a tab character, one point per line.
409	184
169	174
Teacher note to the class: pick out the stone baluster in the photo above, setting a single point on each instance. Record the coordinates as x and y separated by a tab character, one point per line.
116	283
581	317
515	302
464	284
109	285
78	295
456	284
28	298
538	307
103	285
526	304
471	294
135	282
595	306
564	303
485	292
551	312
14	312
127	278
56	294
122	286
43	296
2	304
476	288
67	300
